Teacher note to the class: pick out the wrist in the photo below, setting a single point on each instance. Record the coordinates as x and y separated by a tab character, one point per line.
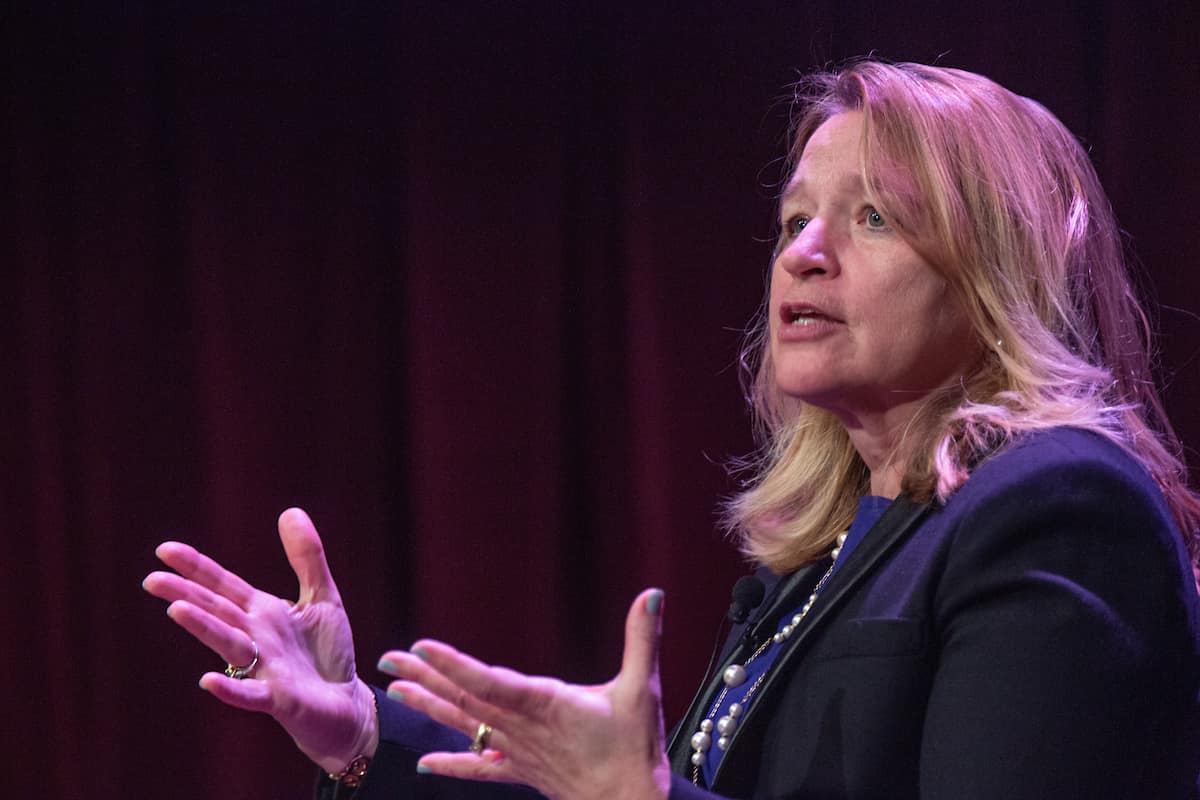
366	740
368	707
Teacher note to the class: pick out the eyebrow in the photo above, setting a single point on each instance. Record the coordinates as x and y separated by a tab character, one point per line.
846	183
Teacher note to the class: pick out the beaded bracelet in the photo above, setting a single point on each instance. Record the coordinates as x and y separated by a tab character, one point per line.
354	772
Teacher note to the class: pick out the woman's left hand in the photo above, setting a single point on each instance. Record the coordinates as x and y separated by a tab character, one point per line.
566	741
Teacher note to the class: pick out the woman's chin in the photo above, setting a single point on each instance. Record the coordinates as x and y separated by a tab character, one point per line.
809	390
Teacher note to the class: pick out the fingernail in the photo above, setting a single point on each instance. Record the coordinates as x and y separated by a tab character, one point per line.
654	602
420	653
424	770
395	694
387	665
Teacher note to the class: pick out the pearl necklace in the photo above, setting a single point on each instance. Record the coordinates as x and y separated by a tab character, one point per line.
735	675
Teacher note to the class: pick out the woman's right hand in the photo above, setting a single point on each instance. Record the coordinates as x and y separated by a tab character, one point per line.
305	676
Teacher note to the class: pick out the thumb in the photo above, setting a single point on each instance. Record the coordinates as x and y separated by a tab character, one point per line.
306	554
249	695
643	630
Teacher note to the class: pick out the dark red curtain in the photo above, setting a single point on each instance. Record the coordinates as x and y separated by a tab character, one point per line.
465	281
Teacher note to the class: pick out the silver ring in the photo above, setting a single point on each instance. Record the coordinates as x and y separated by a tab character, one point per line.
239	673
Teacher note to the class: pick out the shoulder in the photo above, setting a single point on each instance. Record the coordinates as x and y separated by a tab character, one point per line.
1063	466
1057	448
1065	501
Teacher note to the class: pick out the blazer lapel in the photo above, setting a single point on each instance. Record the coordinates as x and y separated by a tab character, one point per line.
900	519
740	644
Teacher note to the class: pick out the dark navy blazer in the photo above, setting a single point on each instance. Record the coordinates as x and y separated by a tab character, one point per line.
1036	637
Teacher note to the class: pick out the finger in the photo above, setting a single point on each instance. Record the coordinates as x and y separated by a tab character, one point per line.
194	565
474	680
455	706
248	694
410	667
643	631
417	697
490	765
171	587
306	554
231	644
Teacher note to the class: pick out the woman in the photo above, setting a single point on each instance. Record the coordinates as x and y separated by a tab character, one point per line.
969	505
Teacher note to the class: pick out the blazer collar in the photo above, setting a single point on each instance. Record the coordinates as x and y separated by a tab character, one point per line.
896	523
783	593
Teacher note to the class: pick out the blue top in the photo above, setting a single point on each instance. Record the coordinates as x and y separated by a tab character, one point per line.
870	509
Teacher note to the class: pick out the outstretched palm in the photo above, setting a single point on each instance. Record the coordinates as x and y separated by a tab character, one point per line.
305	676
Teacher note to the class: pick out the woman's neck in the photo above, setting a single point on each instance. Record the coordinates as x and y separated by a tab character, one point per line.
881	444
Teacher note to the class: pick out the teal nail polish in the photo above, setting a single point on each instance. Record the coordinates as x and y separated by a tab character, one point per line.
424	770
395	694
654	602
387	665
420	653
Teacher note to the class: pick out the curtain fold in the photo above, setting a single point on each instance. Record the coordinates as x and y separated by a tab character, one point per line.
465	281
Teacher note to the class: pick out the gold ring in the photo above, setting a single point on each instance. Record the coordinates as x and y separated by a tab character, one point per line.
480	742
239	673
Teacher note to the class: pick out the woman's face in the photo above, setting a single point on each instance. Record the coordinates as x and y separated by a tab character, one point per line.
860	323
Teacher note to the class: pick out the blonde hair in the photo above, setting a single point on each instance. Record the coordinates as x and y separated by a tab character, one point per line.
993	191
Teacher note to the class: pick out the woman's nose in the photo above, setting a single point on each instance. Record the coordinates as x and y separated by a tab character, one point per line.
809	253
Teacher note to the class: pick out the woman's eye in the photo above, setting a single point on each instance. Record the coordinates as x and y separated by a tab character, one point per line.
794	225
875	219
